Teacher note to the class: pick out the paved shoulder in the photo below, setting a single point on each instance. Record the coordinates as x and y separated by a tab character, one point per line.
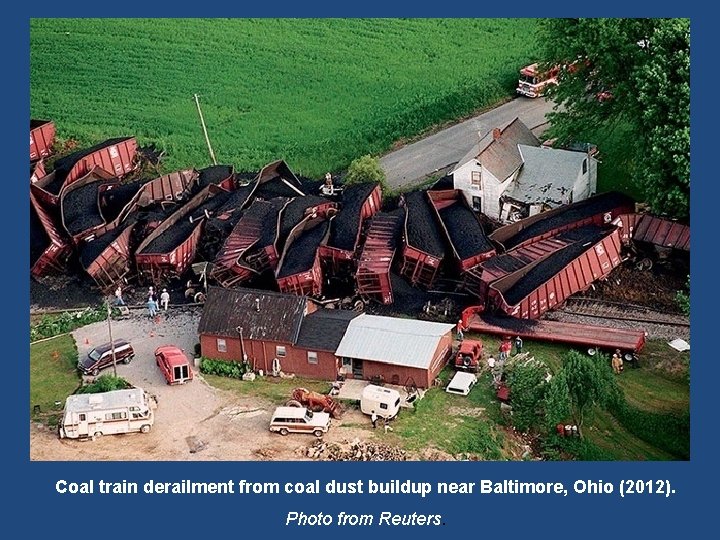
413	162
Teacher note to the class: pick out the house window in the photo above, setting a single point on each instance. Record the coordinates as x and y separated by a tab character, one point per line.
584	166
477	203
82	417
280	351
312	357
475	178
221	345
346	362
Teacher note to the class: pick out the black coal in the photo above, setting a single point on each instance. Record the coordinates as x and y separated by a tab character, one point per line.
423	230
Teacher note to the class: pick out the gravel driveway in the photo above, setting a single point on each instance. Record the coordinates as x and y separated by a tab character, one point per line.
194	421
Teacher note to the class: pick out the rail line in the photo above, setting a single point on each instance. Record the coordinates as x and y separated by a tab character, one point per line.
619	311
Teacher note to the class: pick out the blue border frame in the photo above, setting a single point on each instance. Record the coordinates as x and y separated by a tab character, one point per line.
39	510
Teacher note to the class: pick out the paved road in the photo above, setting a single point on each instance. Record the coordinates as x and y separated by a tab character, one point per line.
410	164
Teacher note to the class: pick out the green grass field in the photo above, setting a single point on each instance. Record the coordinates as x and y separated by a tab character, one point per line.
316	92
53	372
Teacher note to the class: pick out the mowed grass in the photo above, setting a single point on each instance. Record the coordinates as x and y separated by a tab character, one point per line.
458	425
53	372
315	92
278	391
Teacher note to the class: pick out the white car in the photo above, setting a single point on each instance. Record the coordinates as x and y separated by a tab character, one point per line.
461	383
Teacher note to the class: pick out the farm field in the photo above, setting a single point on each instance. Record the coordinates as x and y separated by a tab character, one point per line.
317	93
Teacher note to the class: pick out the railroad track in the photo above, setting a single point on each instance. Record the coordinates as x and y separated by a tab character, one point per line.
604	309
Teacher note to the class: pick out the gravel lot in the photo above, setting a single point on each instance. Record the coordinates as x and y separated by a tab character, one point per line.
192	422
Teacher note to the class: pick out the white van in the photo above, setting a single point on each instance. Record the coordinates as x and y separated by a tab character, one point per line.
107	413
385	402
461	383
299	420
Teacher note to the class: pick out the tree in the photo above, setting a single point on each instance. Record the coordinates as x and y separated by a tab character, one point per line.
589	381
366	169
557	401
631	75
527	385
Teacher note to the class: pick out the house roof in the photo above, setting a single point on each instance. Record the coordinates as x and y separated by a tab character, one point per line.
403	342
548	175
278	318
501	156
324	329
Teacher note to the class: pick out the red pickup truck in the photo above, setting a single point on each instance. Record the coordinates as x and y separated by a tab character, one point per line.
469	355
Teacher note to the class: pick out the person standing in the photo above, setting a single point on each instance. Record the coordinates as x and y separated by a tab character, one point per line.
373	419
165	299
460	335
118	296
152	307
503	350
518	345
617	362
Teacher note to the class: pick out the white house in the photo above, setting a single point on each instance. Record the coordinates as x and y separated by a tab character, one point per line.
508	175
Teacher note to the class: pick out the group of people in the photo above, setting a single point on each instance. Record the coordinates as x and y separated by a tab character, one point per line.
154	302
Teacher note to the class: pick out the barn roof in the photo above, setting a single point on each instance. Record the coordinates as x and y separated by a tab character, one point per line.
403	342
262	315
324	329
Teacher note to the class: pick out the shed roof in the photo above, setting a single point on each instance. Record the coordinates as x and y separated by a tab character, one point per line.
278	318
548	175
324	329
403	342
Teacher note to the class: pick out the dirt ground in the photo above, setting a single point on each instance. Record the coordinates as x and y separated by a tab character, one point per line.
193	422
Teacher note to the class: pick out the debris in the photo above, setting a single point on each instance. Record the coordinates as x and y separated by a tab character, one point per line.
355	451
195	444
679	345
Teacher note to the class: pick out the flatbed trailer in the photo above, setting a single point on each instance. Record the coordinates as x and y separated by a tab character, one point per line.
629	341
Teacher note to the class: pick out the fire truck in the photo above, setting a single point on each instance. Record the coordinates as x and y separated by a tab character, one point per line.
533	82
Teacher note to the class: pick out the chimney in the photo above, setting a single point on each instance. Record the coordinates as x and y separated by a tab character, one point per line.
257	304
496	134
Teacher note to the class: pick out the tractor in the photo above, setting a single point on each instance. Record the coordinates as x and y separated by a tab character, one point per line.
315	401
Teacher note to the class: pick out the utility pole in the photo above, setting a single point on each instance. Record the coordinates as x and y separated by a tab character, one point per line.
112	343
202	122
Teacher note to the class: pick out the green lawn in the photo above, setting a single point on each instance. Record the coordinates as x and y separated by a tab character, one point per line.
53	372
273	389
316	92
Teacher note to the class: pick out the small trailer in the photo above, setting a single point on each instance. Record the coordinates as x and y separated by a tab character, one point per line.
546	283
42	137
463	230
423	245
590	337
384	402
89	416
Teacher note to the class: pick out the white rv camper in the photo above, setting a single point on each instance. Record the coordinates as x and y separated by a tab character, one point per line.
385	402
107	413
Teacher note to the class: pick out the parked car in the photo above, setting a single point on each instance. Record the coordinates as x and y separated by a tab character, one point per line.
299	420
102	356
173	364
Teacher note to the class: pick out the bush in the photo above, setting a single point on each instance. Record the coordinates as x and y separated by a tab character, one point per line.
683	299
56	324
223	368
366	169
104	383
